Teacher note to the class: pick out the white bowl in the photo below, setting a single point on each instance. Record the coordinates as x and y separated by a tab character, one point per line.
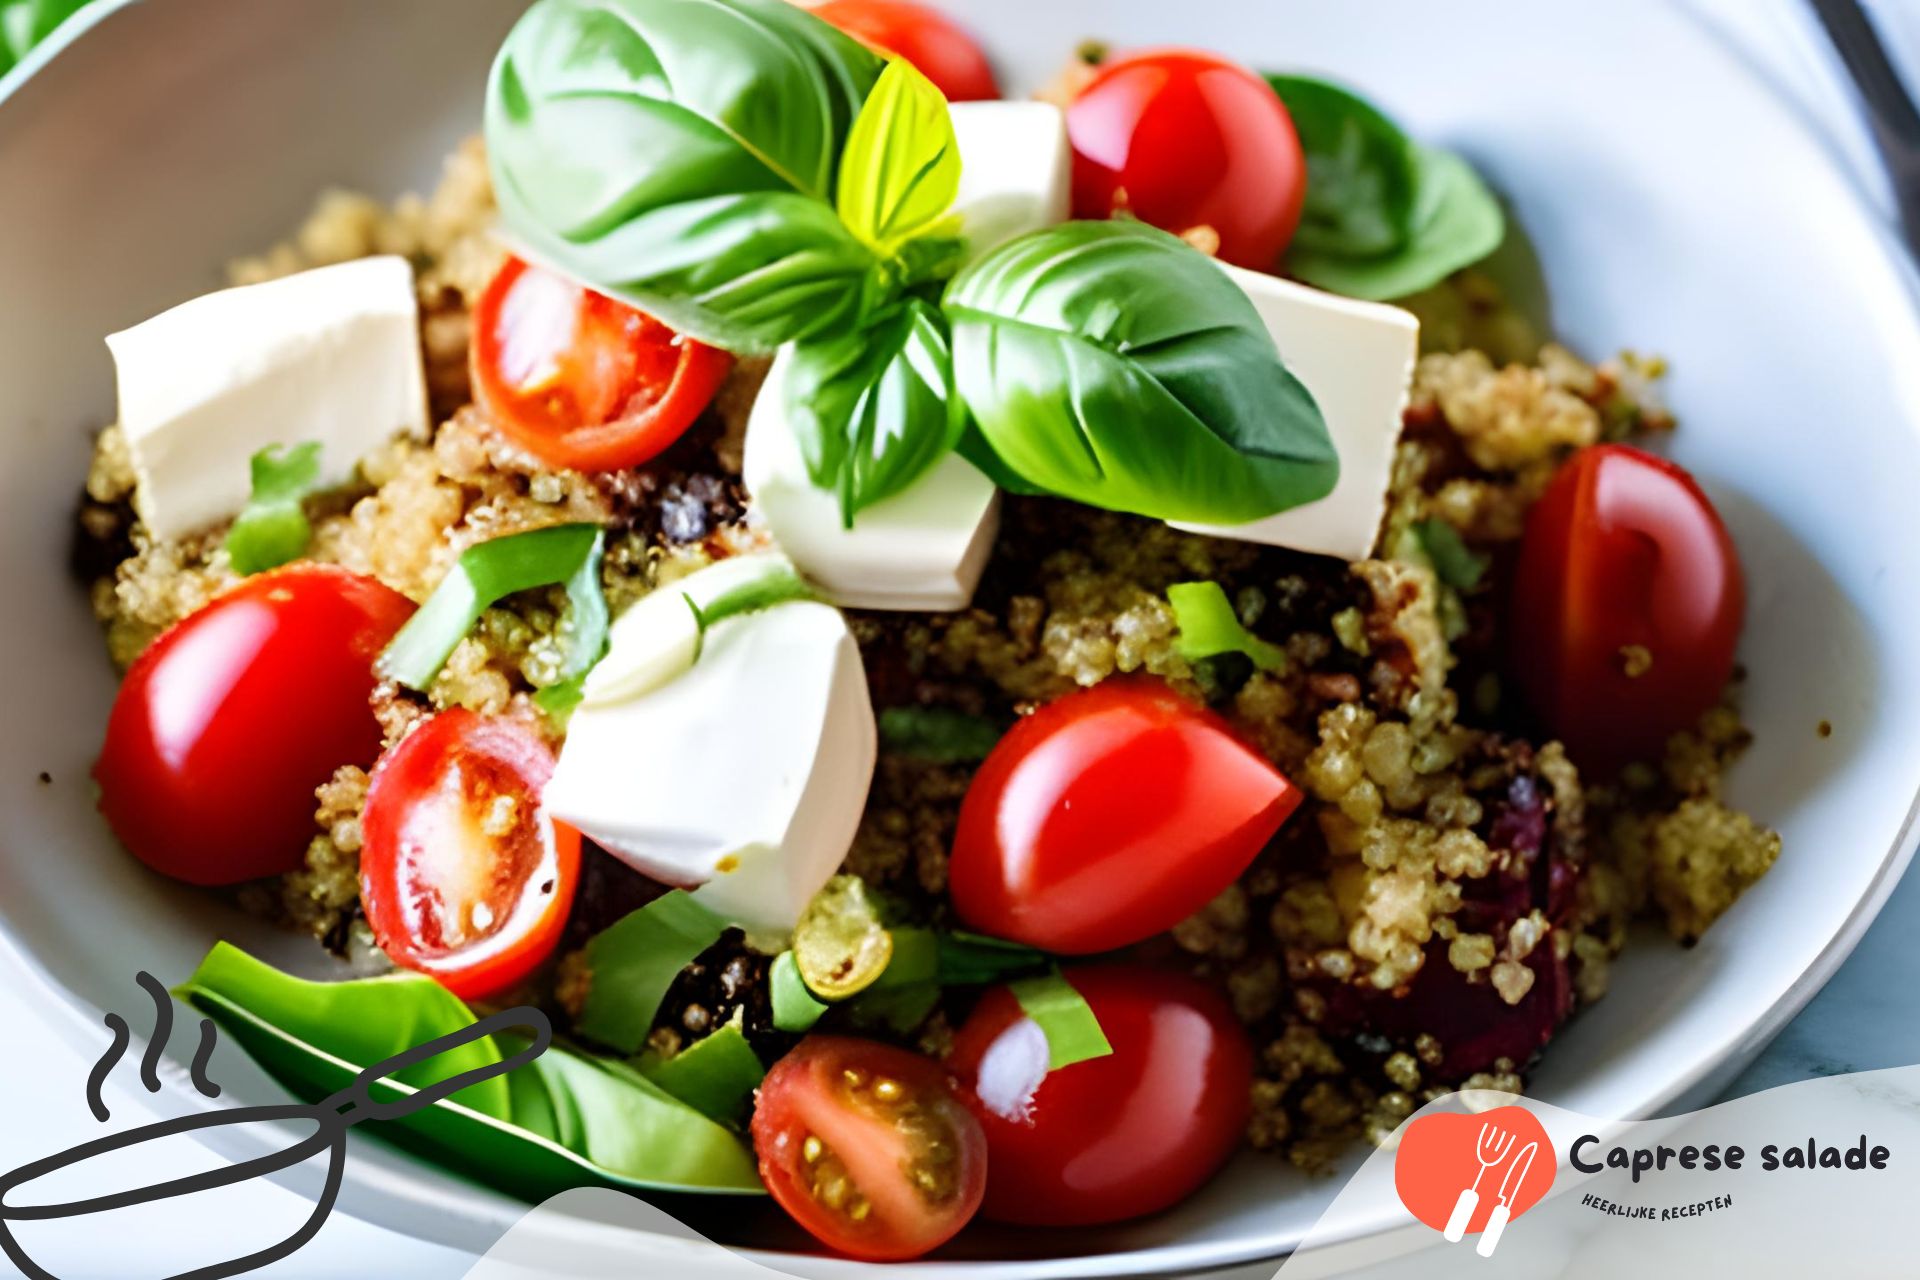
1676	205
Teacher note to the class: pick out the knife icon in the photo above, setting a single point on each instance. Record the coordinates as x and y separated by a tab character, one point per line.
1510	1186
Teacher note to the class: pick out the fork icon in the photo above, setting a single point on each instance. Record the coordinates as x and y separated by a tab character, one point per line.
1493	1146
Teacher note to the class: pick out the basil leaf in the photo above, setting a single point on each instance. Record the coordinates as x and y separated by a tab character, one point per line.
1453	561
273	528
899	1010
795	1008
939	735
716	1075
779	585
973	960
915	959
635	961
1116	365
564	1120
1209	627
490	572
25	23
1362	171
1073	1033
874	407
682	155
1458	222
901	169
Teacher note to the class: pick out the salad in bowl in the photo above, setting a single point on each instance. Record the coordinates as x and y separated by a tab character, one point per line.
976	656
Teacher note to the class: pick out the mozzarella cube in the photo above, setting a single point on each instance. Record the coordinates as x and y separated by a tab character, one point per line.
330	355
747	775
1357	359
1016	170
922	549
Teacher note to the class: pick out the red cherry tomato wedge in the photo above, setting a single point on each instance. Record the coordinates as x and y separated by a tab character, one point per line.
1108	816
227	724
868	1148
581	381
1626	606
1192	143
1113	1137
462	875
937	47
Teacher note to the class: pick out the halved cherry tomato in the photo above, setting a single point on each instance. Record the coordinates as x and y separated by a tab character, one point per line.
868	1148
1194	144
1113	1137
227	724
1108	816
1626	606
581	381
936	45
462	874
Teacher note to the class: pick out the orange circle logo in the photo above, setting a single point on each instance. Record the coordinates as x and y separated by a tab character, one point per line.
1472	1174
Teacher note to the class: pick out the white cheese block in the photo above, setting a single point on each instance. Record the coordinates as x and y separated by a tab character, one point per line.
1357	359
922	549
745	776
330	355
1016	170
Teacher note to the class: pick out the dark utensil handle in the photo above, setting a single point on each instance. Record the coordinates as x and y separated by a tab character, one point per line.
1890	108
356	1101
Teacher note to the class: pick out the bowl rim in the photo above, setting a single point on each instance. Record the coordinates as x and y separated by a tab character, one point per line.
77	1025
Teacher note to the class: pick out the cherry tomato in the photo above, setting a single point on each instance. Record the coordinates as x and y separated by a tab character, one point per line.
936	45
1191	143
462	875
1108	816
227	724
1113	1137
581	381
868	1147
1626	606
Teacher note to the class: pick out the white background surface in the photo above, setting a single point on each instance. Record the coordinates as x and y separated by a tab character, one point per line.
1860	1021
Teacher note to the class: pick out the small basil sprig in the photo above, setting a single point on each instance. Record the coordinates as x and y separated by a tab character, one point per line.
901	168
1385	217
1209	627
274	528
1114	364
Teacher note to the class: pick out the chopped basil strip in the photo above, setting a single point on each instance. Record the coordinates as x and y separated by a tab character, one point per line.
1073	1033
795	1009
716	1076
1453	561
899	1010
916	959
1209	627
973	960
273	528
939	735
633	963
779	586
566	554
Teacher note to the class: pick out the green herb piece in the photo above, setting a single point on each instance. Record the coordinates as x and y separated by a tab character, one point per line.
486	574
777	586
901	169
1116	365
716	1075
795	1009
916	959
682	155
939	735
25	23
1209	627
840	944
972	960
873	408
899	1010
1453	562
560	701
1363	173
564	1120
636	960
1073	1033
273	528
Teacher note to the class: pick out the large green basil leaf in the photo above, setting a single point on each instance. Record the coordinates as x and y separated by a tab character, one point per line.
25	23
1116	365
901	170
682	155
1362	171
874	407
567	1119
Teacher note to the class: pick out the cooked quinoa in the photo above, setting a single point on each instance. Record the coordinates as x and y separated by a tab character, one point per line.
1451	891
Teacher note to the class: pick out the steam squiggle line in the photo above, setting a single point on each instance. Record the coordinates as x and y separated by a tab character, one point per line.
162	1029
122	1036
198	1072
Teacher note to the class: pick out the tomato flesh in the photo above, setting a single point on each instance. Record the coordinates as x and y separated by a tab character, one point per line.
1194	144
868	1147
1627	606
937	47
228	723
462	875
1115	1137
581	381
1108	816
